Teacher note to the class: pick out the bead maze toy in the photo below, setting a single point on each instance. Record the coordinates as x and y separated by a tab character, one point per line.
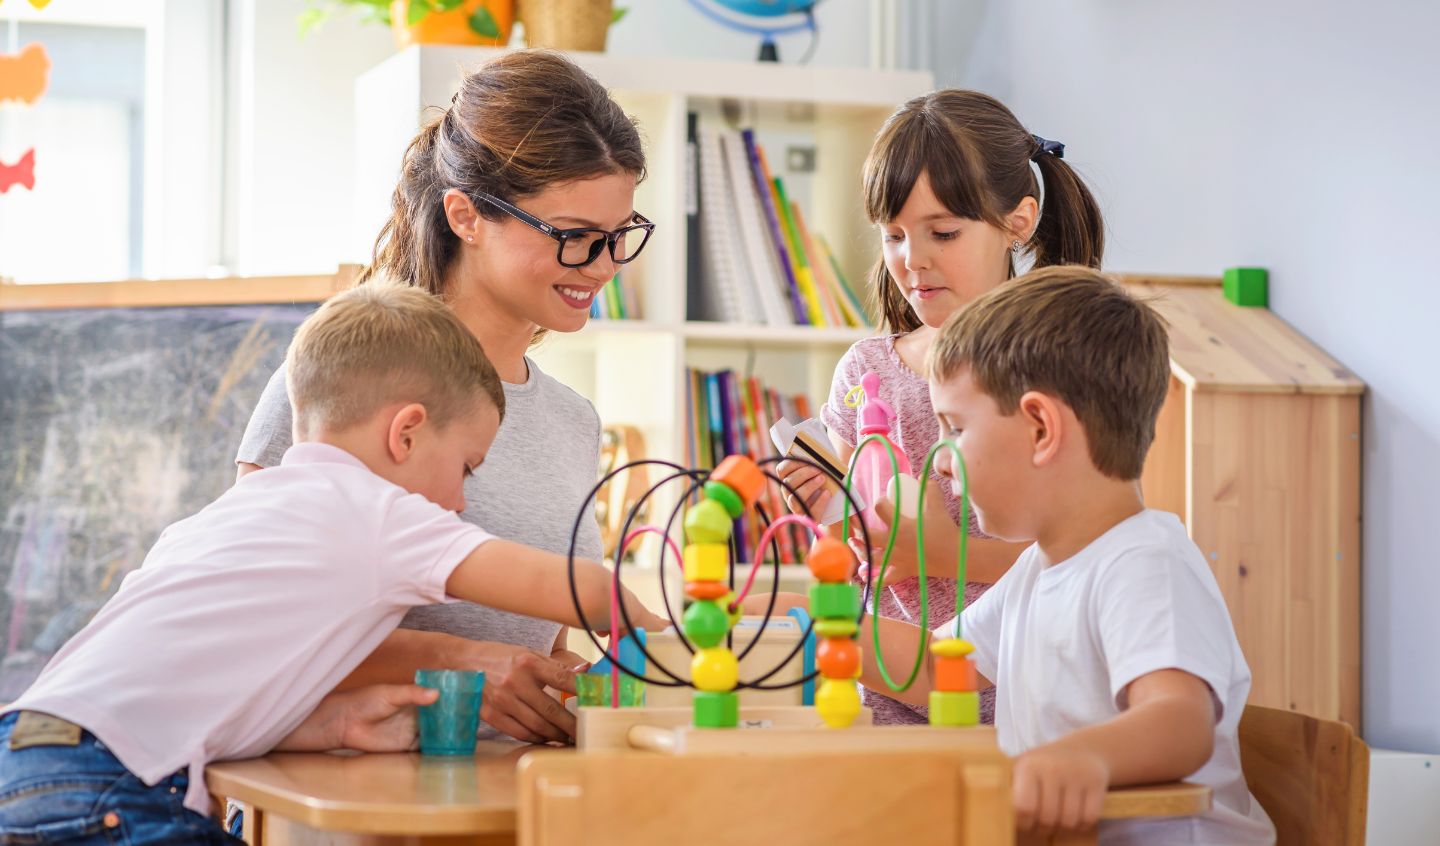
712	501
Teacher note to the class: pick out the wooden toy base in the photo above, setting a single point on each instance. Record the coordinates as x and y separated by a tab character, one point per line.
763	730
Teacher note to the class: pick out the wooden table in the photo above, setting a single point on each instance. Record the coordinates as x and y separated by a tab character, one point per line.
387	800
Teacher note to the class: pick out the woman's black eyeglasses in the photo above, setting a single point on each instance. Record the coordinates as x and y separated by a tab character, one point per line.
579	247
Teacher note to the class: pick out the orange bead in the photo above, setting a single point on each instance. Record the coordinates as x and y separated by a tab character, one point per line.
837	658
706	590
954	674
742	475
831	561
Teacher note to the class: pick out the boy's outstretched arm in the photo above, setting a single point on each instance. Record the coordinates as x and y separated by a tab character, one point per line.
524	580
1166	734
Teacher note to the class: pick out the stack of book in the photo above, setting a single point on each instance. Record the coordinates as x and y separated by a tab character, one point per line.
753	259
616	301
731	414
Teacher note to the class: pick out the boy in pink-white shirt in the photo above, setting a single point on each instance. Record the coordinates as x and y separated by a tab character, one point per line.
229	639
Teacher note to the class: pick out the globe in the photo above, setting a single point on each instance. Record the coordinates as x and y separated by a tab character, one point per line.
770	12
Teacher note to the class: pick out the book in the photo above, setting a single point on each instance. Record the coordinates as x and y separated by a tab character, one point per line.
761	177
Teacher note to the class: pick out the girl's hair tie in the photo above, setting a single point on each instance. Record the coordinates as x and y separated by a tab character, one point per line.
1053	148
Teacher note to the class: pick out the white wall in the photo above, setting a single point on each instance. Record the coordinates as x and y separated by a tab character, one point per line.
1298	136
294	114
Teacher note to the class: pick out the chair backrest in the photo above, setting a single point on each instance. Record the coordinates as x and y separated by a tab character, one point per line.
840	798
1311	776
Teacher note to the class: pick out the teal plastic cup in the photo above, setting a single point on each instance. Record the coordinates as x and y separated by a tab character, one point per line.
448	726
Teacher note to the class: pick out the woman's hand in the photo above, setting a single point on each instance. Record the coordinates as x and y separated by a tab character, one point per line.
515	700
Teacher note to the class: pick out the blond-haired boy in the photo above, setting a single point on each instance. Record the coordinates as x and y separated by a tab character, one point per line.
227	640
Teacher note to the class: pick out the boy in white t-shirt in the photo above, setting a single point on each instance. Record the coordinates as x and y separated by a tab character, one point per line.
227	640
1112	652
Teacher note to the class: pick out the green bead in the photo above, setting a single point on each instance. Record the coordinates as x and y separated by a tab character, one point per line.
836	628
708	522
717	709
834	601
705	623
954	708
726	496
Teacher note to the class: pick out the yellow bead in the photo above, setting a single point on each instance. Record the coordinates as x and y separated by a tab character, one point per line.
954	708
707	562
714	669
838	702
951	647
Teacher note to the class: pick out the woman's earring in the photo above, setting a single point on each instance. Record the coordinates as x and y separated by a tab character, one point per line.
1016	246
471	239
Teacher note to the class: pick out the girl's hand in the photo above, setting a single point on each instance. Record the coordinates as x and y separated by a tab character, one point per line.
811	485
378	718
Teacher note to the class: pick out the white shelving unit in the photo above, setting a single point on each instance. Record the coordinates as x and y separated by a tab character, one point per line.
634	371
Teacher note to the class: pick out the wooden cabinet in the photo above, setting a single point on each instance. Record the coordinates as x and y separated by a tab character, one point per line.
1258	450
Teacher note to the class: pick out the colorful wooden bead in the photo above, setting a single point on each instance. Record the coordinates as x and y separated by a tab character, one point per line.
734	613
743	476
714	669
716	709
707	562
951	647
708	522
838	658
725	495
706	590
954	708
831	561
834	600
705	624
837	702
836	628
954	674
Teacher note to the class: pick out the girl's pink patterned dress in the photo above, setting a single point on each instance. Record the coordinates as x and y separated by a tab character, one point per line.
916	431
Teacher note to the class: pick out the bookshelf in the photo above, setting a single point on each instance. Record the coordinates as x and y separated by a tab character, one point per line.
635	371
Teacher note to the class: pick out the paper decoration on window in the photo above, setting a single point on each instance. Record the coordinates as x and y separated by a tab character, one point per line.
22	173
24	75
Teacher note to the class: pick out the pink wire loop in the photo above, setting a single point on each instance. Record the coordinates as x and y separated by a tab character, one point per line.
803	520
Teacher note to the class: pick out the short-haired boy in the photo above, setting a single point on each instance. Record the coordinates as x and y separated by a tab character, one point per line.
227	640
1109	643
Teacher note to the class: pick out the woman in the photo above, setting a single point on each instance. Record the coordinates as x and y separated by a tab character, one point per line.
515	207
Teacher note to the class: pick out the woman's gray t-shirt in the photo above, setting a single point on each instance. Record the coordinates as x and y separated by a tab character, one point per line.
543	463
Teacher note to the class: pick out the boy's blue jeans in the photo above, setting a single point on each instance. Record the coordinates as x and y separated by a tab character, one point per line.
83	795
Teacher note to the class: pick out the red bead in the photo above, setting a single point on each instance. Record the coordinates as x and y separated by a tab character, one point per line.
954	674
706	590
838	658
831	561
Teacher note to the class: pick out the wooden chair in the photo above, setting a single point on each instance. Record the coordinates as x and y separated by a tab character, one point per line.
836	798
1311	776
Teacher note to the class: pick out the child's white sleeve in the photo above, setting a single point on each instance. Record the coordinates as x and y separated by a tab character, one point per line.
421	545
1154	612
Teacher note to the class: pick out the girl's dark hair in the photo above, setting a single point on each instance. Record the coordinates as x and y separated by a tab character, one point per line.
978	159
520	124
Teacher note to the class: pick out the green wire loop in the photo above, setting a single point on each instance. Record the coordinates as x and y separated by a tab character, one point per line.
964	534
877	580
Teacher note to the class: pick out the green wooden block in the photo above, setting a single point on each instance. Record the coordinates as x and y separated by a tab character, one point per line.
1247	286
717	709
708	522
726	496
954	708
834	601
705	623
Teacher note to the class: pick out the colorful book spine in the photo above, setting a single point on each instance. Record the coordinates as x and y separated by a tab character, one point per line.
806	280
761	175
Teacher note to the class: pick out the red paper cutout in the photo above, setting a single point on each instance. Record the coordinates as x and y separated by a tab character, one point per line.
21	173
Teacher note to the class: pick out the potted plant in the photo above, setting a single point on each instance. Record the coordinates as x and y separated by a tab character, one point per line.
568	24
478	22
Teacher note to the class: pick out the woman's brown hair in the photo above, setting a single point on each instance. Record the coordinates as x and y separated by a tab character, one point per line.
977	156
522	123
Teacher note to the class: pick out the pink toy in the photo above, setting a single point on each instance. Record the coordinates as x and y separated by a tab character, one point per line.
871	471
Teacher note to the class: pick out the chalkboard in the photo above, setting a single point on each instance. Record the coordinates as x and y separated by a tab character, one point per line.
114	423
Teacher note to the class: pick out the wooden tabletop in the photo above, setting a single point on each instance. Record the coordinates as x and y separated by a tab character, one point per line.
415	795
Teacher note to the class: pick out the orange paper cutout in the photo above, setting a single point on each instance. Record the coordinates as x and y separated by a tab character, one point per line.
21	173
25	75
